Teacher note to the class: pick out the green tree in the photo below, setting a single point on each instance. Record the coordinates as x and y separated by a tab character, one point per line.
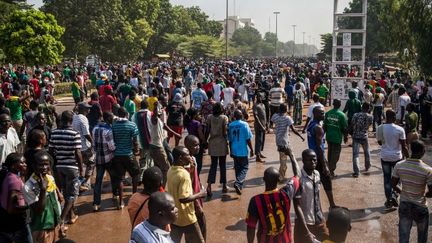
246	36
31	37
327	44
201	46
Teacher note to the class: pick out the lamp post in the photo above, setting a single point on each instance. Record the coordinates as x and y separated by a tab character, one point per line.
304	48
276	40
226	31
293	51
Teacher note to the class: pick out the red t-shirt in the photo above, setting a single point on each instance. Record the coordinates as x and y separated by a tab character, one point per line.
271	211
11	183
36	88
103	87
106	102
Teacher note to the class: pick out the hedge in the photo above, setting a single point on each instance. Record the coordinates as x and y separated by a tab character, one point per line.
64	88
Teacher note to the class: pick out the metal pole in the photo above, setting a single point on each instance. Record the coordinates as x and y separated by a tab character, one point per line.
304	48
276	40
293	51
226	31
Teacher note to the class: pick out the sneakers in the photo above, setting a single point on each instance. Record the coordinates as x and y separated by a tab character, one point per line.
237	189
355	175
96	208
390	203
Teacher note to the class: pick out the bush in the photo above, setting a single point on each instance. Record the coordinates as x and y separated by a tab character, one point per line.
65	87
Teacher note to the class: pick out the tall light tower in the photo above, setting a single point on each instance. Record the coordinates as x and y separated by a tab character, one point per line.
226	31
293	51
304	50
276	40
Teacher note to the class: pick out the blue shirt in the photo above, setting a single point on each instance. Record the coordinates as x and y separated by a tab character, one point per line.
238	134
289	90
198	96
124	131
311	136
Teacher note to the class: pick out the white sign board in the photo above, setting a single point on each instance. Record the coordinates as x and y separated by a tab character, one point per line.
346	39
346	54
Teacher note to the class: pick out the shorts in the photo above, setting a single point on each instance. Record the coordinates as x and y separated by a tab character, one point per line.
69	181
88	158
177	129
121	164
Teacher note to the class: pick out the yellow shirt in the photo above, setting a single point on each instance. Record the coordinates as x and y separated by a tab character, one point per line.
328	241
137	102
151	100
179	185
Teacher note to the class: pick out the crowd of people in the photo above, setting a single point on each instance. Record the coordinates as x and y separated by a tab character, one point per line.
124	119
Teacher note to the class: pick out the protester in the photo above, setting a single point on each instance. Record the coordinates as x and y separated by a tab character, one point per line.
9	140
138	206
338	224
360	124
179	185
162	212
239	137
413	175
335	128
260	127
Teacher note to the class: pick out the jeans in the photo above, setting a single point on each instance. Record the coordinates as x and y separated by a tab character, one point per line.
259	140
377	116
213	168
97	190
241	166
333	155
21	236
356	151
409	212
387	167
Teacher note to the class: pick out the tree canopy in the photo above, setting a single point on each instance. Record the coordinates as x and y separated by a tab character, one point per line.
31	37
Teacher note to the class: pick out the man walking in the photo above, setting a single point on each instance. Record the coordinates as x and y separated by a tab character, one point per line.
125	135
65	145
276	99
260	127
271	210
239	137
414	175
335	128
142	119
360	126
392	138
80	124
179	185
282	124
315	135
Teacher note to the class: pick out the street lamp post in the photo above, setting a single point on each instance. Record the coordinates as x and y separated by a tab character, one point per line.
304	48
276	40
226	31
293	51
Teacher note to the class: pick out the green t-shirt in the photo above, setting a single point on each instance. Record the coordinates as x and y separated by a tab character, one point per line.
75	90
130	107
322	91
125	89
66	72
335	122
352	106
411	120
50	216
15	108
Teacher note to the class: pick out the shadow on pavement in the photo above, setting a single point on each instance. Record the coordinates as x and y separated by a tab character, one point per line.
239	226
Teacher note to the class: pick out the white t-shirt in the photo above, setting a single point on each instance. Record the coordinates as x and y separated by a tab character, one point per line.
379	100
81	125
404	100
217	89
311	108
228	95
391	149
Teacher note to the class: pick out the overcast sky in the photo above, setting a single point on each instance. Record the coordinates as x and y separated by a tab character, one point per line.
314	17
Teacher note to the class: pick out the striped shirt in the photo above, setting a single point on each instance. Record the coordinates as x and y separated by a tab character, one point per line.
64	142
148	233
103	143
276	96
80	124
124	132
282	124
414	175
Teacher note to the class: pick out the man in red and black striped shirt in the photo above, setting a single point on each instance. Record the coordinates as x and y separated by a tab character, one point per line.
271	210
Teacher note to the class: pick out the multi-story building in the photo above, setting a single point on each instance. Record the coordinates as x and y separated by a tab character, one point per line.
234	23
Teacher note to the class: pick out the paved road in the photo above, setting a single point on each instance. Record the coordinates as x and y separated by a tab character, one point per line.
364	196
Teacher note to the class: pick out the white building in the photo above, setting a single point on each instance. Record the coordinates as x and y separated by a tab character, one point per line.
234	23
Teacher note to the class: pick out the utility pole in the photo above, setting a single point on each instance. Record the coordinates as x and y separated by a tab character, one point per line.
276	40
304	48
309	45
226	31
293	50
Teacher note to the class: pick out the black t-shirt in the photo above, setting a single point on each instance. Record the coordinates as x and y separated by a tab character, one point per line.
176	112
